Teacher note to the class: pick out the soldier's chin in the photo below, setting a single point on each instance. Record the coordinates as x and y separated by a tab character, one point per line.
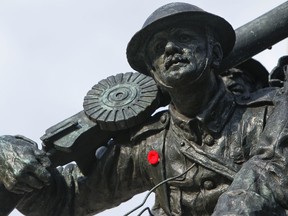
181	75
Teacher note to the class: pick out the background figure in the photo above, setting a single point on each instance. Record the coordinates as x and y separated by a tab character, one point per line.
247	77
277	76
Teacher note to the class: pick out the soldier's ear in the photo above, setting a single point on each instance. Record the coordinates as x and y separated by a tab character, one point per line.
217	55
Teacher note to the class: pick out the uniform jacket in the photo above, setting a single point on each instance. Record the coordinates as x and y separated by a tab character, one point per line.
198	160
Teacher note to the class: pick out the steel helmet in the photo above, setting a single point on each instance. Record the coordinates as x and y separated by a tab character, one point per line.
171	15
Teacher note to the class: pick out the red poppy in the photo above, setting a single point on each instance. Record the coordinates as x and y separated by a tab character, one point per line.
153	157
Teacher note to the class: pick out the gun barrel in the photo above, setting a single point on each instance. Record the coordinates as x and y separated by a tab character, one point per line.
258	35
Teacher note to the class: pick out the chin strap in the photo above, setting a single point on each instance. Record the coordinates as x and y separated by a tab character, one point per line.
204	69
159	81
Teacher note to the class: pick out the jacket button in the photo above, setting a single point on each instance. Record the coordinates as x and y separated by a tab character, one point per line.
208	185
209	140
163	119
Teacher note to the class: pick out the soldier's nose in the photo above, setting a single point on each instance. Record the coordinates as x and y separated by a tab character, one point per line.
171	48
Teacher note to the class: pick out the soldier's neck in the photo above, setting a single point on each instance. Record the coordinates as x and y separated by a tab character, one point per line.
190	100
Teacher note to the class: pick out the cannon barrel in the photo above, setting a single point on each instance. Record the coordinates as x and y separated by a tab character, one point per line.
258	35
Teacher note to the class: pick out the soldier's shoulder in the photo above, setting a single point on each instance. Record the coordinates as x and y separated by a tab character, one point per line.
153	125
261	97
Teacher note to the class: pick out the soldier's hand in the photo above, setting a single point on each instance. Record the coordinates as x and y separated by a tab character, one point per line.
23	167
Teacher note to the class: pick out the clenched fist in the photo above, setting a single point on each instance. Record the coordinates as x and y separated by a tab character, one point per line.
23	167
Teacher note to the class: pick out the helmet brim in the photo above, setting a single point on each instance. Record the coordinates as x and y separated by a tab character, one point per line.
255	69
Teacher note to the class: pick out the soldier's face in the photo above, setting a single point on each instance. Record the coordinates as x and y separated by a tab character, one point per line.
178	55
238	82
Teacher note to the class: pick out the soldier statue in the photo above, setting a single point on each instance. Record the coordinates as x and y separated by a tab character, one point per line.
211	153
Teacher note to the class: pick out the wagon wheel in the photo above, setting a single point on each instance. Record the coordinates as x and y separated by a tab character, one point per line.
122	101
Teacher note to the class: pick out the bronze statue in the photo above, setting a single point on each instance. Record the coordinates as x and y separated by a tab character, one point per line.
211	152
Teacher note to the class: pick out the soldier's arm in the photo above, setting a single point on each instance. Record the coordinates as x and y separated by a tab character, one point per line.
114	178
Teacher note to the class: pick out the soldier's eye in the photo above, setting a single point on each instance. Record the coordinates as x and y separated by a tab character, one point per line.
159	47
184	38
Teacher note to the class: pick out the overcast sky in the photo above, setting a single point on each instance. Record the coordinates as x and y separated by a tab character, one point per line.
53	52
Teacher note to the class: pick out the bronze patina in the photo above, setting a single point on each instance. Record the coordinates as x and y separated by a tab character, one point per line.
214	151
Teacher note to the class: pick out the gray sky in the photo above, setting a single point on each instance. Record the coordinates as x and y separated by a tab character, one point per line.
53	52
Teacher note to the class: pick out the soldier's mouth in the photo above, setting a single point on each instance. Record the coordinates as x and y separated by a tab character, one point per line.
175	60
236	88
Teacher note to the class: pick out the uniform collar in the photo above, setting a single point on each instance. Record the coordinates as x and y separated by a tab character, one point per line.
214	117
